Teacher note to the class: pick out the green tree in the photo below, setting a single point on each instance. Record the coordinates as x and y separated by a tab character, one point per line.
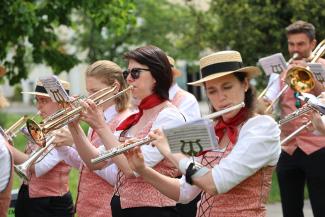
256	28
28	30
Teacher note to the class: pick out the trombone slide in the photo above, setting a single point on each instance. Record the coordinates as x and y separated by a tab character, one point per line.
296	132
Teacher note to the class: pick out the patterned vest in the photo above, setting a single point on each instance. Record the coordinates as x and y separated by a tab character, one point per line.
246	199
94	193
305	140
6	194
54	183
135	192
178	98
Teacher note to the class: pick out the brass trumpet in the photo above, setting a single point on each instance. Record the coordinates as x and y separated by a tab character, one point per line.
10	133
123	148
22	170
65	116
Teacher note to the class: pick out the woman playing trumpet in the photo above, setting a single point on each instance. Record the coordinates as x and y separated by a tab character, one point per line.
235	182
95	189
149	73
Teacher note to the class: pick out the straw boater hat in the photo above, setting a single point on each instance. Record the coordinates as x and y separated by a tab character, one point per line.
176	72
223	63
41	91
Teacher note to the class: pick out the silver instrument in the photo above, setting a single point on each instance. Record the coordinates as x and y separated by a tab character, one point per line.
123	148
22	170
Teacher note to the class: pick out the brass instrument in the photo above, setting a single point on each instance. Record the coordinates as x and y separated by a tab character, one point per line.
305	109
294	57
65	116
10	133
301	79
22	170
125	147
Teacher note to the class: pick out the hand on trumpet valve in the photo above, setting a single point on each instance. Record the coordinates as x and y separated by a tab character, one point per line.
262	104
92	114
63	138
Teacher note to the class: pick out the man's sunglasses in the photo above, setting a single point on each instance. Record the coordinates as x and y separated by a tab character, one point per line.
135	72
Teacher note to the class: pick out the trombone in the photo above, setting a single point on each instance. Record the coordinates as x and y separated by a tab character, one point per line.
22	170
305	109
146	140
63	117
301	79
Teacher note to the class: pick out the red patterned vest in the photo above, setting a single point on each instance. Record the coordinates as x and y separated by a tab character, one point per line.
54	183
94	193
6	194
135	192
246	199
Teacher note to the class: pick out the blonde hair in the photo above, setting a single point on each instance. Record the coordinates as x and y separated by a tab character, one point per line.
3	101
108	73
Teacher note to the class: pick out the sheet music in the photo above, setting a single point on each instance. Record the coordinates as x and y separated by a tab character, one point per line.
192	137
318	70
273	64
55	89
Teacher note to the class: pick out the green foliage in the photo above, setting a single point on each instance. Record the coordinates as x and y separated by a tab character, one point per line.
28	31
257	28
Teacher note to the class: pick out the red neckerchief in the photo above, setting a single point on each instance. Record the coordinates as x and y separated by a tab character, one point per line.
147	103
230	127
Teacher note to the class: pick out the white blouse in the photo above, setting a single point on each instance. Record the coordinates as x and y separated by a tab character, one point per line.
71	157
189	106
5	164
258	146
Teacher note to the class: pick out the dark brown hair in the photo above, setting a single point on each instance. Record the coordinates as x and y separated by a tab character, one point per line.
301	27
159	66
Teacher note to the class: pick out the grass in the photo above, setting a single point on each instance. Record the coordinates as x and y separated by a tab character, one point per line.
8	119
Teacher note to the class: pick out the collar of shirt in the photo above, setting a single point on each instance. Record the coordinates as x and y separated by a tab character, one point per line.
173	90
109	113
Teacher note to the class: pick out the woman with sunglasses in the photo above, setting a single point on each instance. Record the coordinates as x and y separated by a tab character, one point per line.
149	73
235	181
94	190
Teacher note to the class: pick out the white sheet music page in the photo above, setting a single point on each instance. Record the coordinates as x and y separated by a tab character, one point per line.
273	64
55	89
318	70
192	138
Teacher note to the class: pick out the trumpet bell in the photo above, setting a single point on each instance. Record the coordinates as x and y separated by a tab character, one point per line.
36	132
300	79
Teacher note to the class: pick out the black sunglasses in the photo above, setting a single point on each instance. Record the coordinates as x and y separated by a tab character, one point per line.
135	72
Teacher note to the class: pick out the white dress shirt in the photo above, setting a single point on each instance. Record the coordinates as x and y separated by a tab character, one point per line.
72	158
5	164
189	106
258	146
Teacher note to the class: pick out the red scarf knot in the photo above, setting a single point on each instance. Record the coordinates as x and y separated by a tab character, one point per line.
147	103
230	127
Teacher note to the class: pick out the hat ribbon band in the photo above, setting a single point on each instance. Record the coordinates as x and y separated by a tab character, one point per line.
220	67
